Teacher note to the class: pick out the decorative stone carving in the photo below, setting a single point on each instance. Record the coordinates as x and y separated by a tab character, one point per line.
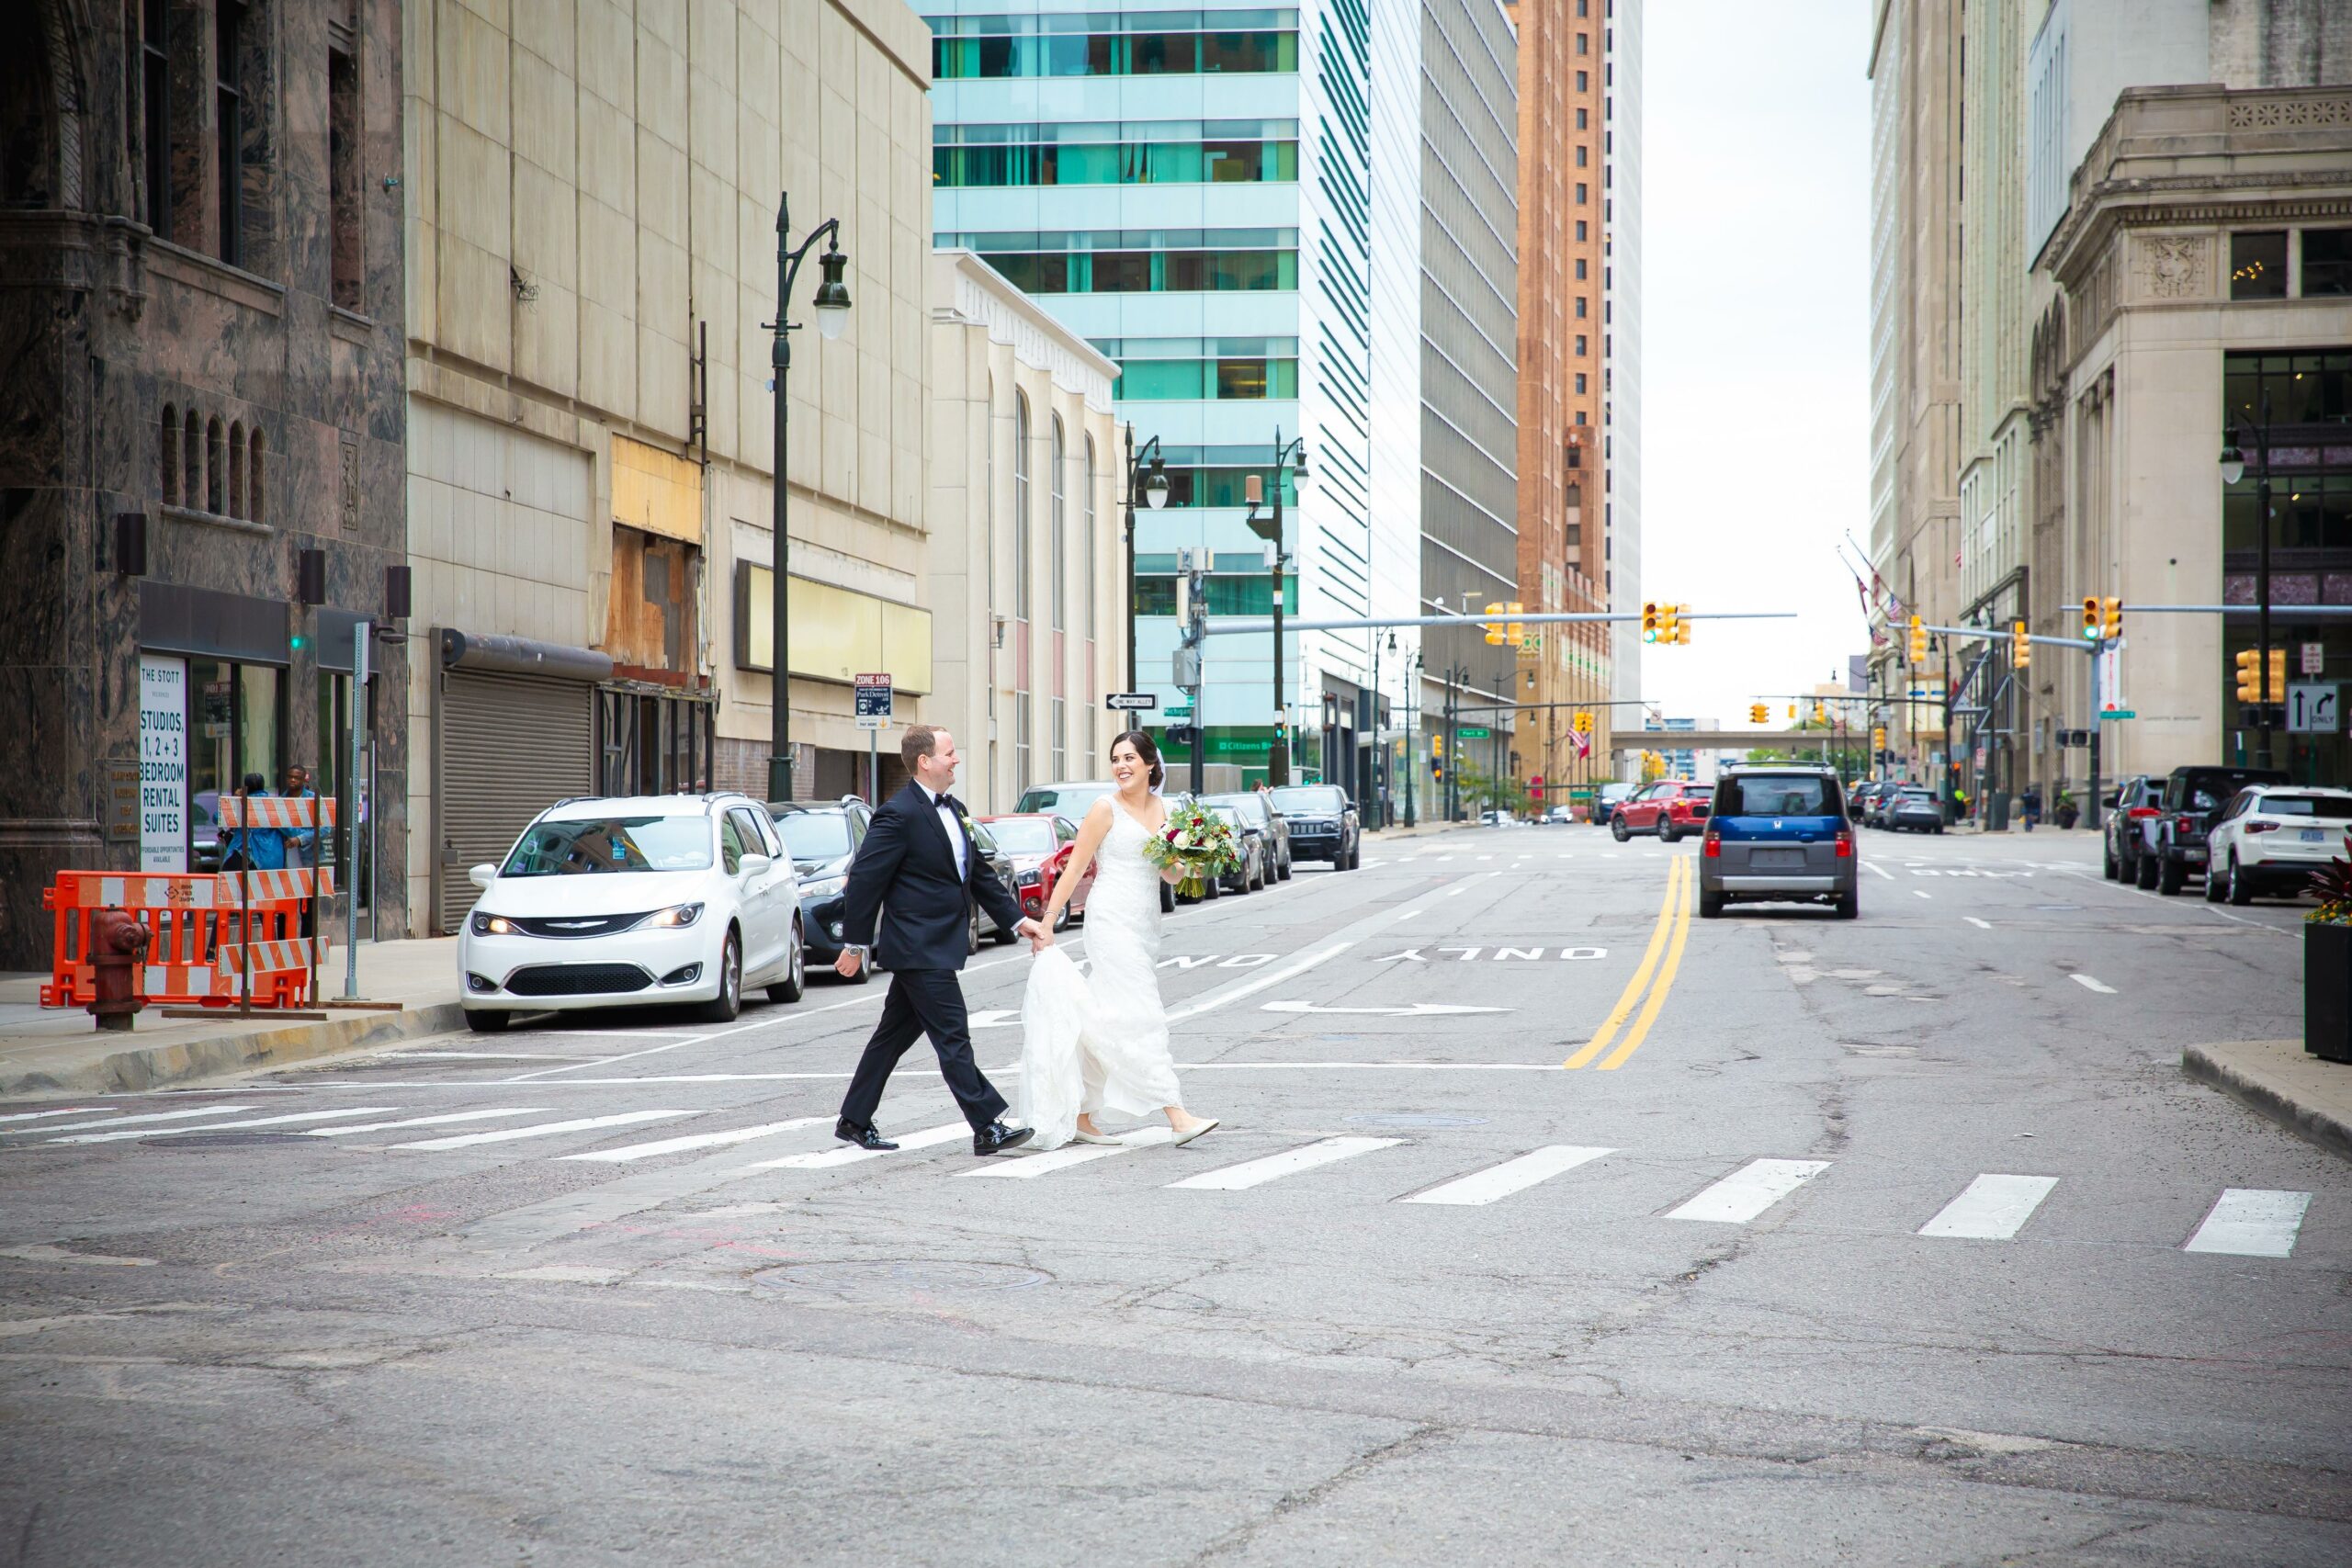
2287	114
2176	267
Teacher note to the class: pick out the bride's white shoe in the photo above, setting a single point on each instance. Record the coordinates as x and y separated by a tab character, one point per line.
1188	1134
1083	1136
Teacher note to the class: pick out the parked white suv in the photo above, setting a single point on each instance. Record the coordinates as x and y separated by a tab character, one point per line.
644	900
2271	838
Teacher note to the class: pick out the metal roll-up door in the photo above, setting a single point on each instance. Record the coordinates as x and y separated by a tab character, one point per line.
508	747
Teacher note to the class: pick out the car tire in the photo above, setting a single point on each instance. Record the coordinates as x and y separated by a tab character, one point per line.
1283	872
2241	888
1617	828
1850	906
482	1020
725	1007
1260	886
795	983
1939	829
972	933
2172	876
2144	872
1666	833
1710	906
2109	867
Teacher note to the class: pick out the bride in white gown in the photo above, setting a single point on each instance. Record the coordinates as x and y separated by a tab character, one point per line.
1098	1042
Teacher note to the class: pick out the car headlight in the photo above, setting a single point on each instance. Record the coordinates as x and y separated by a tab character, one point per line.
824	888
491	925
1027	879
675	915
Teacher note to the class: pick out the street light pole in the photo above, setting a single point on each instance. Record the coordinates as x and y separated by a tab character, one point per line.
1270	530
1155	491
831	304
2233	470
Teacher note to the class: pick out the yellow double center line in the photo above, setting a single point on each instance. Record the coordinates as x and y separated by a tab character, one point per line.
1673	930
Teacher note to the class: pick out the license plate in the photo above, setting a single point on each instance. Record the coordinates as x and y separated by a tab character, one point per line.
2314	835
1776	860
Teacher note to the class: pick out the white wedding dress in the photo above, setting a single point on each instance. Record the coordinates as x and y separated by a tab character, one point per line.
1095	1042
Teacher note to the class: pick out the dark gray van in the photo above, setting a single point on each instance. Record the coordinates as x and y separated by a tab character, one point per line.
1779	834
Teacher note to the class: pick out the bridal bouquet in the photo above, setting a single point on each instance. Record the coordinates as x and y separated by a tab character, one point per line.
1197	842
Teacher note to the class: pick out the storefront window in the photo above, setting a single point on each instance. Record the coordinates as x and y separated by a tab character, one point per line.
233	729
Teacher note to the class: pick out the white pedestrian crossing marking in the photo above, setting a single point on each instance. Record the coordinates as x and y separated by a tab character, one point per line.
2252	1222
44	1115
1511	1176
1273	1167
443	1119
544	1129
1022	1167
1992	1208
699	1141
127	1121
1749	1190
850	1154
108	1137
2088	983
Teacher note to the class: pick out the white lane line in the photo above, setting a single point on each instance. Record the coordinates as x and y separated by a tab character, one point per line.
127	1121
487	1057
224	1126
1917	893
2102	987
1992	1208
1749	1190
1457	892
1980	925
1407	914
1234	993
1019	1167
698	1141
850	1154
1511	1176
1273	1167
544	1129
1871	865
2252	1222
443	1119
39	1115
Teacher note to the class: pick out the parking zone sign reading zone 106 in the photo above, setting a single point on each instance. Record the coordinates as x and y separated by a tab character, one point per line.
873	702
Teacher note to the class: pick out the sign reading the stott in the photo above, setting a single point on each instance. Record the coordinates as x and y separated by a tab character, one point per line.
163	763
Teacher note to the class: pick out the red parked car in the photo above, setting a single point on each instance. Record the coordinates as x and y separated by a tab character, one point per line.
1040	844
1669	808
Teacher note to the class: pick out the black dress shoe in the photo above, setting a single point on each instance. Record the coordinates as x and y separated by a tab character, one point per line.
849	1131
995	1138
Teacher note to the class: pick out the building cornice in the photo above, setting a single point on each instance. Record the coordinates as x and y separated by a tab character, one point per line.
980	295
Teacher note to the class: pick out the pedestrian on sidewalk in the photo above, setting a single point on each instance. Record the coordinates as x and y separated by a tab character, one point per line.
2031	802
302	844
248	848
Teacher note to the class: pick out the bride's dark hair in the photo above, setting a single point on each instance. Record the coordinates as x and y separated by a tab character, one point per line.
1147	749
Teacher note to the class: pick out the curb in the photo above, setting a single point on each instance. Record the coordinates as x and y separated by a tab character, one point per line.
134	1070
2265	1094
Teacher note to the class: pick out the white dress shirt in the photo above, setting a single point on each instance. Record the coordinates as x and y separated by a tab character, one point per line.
954	830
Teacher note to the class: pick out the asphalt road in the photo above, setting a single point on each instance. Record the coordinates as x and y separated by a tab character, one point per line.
1898	1241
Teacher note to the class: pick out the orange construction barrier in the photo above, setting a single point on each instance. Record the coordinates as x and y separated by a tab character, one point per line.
197	934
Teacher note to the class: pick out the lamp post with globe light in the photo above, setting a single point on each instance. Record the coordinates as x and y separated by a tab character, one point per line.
2257	435
1270	528
1147	472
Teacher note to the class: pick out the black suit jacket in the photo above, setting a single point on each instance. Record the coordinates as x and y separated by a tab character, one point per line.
905	872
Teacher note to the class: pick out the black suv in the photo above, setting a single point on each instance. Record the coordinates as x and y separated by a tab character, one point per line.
2191	804
1323	826
823	838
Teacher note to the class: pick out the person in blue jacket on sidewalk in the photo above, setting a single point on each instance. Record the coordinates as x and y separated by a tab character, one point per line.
261	849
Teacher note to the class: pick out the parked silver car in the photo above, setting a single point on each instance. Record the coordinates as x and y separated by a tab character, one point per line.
1779	833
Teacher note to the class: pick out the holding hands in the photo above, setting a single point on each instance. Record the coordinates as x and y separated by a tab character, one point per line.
1040	934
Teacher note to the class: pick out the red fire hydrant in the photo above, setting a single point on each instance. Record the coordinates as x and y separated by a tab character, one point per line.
118	944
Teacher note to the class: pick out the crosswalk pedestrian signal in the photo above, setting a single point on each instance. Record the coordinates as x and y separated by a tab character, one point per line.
2090	618
1494	628
1919	641
2021	646
1649	621
2111	617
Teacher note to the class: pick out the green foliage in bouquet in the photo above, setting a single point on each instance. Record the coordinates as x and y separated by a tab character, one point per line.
1197	842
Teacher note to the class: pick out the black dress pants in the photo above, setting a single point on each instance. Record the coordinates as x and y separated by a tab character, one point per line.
922	1001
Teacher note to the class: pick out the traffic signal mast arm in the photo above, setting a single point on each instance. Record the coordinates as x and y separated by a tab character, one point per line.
1236	625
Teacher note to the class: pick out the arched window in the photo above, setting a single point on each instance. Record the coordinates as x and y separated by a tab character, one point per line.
256	493
215	470
1019	505
237	469
1059	545
167	454
1091	585
192	462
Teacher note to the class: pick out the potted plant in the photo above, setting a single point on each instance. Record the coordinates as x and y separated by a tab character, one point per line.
2328	965
2066	812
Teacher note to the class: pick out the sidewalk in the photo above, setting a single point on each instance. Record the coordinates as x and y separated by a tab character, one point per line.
53	1050
2278	1077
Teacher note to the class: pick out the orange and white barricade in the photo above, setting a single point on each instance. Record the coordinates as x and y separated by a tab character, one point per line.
177	912
280	812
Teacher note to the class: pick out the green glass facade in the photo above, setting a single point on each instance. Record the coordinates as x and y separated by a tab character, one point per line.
1135	43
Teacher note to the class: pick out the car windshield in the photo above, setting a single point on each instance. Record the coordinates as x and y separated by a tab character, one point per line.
1777	794
814	835
2337	807
1068	800
1252	809
1307	800
1024	835
574	846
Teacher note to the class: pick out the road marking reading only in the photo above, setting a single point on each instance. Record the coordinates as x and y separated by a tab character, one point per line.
2102	987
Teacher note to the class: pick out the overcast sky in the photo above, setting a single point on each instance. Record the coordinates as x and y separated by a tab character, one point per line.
1755	355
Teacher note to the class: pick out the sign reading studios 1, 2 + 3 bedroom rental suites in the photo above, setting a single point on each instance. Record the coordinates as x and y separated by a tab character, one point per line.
163	763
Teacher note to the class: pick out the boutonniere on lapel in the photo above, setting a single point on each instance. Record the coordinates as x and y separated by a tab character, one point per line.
969	832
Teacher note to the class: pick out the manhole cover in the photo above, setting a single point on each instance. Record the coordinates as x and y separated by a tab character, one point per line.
899	1279
218	1140
1409	1120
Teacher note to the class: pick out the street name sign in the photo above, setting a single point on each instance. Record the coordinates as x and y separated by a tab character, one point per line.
1133	702
1474	732
873	702
2116	713
2313	708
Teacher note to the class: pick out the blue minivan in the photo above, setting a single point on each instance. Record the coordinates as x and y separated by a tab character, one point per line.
1779	834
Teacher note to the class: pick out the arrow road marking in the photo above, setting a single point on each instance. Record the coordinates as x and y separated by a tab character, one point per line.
1419	1009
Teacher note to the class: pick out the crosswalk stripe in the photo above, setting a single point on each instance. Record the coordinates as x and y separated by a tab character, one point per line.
1273	1167
1992	1208
1749	1190
544	1129
1022	1167
850	1154
1511	1176
698	1141
127	1121
109	1137
443	1119
40	1115
2252	1222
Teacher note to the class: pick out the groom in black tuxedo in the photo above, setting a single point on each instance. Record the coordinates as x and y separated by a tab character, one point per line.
917	870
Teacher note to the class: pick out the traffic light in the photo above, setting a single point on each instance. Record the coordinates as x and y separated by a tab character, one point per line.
2021	646
2110	618
1516	632
1680	628
2090	618
1437	745
1758	713
1184	735
1919	641
1649	621
1584	724
1820	713
2250	676
1793	710
1877	738
1494	628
